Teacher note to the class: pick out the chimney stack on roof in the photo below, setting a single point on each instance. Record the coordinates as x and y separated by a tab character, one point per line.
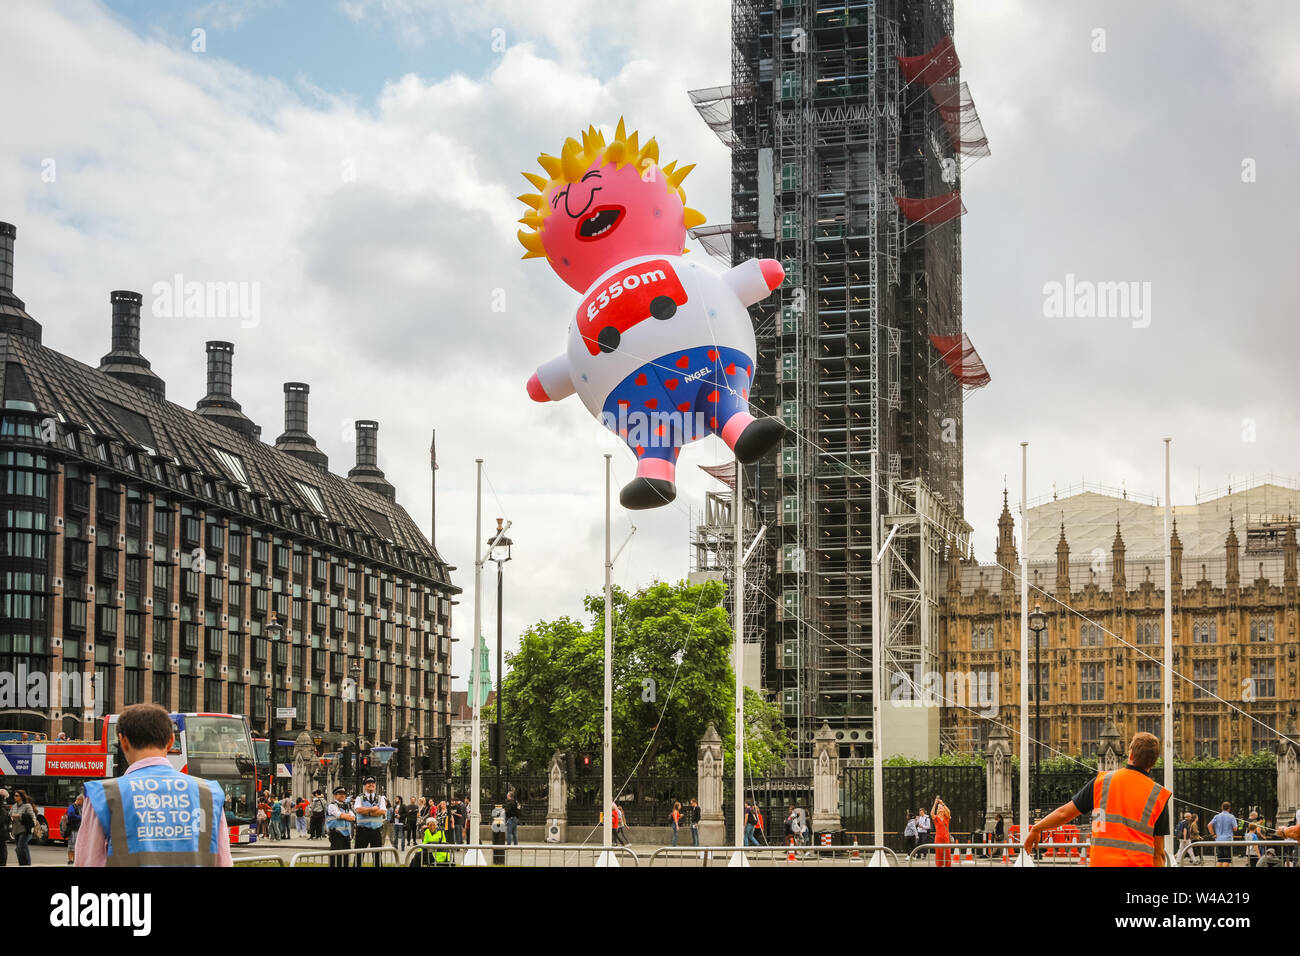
367	473
125	362
218	404
296	441
13	315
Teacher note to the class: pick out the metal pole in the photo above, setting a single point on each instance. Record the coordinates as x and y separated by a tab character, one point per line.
1169	644
877	670
1038	711
501	750
738	606
1024	640
607	759
476	738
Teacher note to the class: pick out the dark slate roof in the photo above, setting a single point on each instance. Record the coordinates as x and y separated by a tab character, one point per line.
56	383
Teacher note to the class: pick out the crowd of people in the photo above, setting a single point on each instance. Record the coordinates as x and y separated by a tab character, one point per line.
369	820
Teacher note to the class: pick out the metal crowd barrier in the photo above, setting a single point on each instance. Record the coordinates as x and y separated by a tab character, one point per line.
815	856
381	854
259	861
996	854
523	854
1238	849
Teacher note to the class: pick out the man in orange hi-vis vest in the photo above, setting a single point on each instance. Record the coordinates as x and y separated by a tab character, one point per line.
1130	812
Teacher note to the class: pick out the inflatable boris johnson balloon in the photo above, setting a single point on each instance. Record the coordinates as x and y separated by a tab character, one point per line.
661	349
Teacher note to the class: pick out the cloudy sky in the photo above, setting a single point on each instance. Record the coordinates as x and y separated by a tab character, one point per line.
359	159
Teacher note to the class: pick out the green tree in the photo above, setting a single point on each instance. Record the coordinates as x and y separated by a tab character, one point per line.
672	677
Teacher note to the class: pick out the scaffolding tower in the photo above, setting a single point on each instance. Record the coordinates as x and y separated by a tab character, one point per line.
713	557
825	135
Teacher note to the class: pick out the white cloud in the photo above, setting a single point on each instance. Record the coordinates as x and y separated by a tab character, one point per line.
376	290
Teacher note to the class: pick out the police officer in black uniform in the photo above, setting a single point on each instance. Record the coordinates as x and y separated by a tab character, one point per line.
339	823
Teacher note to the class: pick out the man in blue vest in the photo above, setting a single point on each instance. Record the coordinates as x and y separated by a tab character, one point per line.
371	810
339	819
152	815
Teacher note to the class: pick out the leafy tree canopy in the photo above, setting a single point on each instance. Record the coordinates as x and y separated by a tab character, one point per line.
672	677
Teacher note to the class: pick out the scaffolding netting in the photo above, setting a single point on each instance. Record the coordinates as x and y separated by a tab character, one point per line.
716	238
938	64
715	107
932	209
957	108
962	360
724	473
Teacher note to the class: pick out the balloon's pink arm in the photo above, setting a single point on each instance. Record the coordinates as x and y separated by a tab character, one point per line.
754	279
551	381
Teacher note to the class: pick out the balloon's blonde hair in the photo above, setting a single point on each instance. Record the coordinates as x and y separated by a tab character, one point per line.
572	164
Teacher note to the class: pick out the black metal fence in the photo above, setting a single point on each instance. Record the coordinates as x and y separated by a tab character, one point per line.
773	796
908	789
1201	790
648	801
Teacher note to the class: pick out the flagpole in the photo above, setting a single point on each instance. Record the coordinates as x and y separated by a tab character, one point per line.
1169	642
607	751
474	856
1024	859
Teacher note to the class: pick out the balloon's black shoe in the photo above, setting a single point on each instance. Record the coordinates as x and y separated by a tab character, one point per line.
642	493
759	437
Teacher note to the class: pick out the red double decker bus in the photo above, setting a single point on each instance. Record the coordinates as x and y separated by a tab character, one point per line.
213	746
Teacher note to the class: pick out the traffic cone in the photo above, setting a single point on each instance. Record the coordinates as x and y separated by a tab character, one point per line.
970	854
790	855
856	855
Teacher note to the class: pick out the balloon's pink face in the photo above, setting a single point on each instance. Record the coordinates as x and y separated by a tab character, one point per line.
611	215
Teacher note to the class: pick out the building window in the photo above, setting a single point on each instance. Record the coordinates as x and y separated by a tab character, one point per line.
1148	680
789	462
188	693
1205	630
790	653
1092	681
1152	724
789	367
1205	675
790	509
981	637
790	414
1261	627
1205	731
1090	635
212	696
318	711
789	225
1148	630
789	176
790	702
1263	732
1090	735
791	558
1263	676
790	605
789	84
1043	683
133	686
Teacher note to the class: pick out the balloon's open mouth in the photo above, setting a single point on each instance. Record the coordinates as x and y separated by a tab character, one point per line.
599	224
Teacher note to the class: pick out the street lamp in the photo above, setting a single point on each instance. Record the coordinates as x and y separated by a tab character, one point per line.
1038	624
355	674
499	551
274	631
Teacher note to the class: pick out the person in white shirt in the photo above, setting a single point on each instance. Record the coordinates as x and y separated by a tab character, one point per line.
923	829
372	811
